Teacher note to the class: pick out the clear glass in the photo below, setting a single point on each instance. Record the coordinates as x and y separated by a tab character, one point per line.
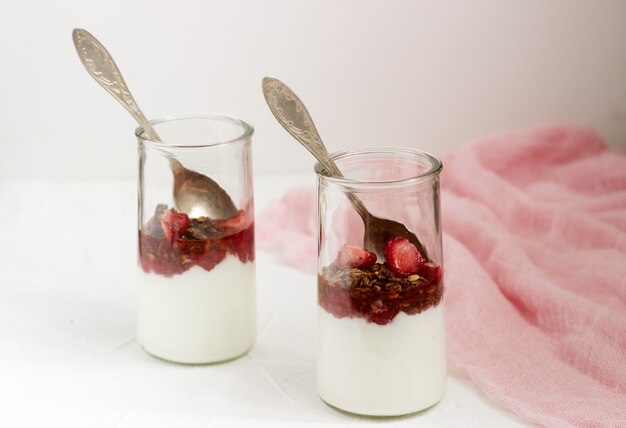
196	274
381	338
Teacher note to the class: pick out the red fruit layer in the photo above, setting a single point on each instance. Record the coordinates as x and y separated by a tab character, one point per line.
402	257
174	224
377	294
204	243
357	257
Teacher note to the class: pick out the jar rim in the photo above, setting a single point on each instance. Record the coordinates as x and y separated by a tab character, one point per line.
246	130
435	167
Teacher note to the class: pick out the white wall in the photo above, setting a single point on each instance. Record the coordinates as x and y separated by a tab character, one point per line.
431	73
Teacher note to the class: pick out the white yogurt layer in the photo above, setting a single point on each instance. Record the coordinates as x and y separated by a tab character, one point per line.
198	316
382	370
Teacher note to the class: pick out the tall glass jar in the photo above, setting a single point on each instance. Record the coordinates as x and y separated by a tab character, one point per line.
381	343
196	273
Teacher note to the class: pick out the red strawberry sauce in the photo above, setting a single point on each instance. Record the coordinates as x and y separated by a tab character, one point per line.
204	242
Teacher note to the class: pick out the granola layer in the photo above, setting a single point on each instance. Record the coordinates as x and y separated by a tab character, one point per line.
377	294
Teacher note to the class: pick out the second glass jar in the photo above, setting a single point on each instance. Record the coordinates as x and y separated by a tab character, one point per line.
381	338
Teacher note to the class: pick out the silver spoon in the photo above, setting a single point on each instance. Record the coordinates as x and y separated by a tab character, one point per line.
294	117
191	189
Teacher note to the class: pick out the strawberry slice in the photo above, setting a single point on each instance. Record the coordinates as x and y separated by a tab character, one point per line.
174	224
402	257
430	271
355	257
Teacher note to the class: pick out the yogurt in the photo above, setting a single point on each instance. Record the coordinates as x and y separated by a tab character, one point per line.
198	316
382	370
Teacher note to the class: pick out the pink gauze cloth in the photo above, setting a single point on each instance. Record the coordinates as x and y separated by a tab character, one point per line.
535	264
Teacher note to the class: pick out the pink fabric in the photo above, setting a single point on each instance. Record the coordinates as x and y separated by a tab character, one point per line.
535	259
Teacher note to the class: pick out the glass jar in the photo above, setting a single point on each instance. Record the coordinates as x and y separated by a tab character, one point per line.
196	272
381	338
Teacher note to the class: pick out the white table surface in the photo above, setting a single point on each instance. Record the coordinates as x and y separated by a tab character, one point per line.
68	354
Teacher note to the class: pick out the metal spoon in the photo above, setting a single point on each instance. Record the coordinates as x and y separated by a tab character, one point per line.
192	190
294	117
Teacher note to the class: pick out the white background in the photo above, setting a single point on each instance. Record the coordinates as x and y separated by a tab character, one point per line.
433	74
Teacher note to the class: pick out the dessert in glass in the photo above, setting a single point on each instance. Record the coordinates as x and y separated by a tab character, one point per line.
196	273
381	338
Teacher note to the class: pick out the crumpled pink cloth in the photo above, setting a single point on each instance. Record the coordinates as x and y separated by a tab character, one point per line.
535	259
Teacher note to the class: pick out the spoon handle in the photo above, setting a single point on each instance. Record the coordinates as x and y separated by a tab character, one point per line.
294	117
100	65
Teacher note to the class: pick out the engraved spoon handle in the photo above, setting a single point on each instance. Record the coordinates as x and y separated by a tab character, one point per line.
100	65
294	117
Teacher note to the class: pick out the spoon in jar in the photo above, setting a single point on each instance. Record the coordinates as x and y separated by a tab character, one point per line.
192	190
294	117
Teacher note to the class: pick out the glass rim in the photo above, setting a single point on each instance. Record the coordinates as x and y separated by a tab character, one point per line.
246	134
435	167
